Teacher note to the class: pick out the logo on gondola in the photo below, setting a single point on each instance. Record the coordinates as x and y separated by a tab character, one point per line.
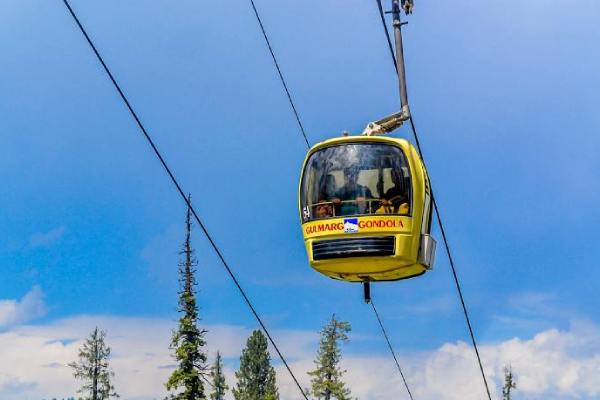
350	225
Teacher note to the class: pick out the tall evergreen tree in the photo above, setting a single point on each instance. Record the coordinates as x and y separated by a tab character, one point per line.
188	340
509	383
326	379
92	368
218	379
256	377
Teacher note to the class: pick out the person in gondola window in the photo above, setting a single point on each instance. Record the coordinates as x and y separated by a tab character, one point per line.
351	198
395	199
325	206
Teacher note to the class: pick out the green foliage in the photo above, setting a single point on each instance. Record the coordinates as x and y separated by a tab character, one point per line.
218	379
509	383
256	377
187	340
327	376
92	368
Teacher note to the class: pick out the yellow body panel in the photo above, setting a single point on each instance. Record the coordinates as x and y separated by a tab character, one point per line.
406	230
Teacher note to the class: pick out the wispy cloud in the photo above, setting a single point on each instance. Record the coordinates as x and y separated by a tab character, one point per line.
526	313
553	364
43	239
533	303
30	307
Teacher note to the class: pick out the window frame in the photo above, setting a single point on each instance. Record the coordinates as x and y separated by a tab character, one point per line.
303	203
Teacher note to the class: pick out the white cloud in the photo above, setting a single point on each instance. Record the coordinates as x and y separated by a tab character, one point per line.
552	364
43	239
31	306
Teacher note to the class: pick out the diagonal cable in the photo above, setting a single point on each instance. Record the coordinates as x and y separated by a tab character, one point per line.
308	145
387	339
387	33
183	196
285	87
443	231
453	267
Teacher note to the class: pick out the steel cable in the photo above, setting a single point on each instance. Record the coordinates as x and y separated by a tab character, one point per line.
453	268
442	230
387	339
183	196
387	32
285	87
308	146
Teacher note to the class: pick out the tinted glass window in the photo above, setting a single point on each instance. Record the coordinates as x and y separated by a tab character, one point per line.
356	179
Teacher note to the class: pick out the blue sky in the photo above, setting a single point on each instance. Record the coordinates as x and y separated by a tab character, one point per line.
504	96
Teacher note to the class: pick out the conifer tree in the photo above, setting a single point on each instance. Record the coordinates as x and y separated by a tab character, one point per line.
326	379
187	340
256	377
509	383
92	368
218	379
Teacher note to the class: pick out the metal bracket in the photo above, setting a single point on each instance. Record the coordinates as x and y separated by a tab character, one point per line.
387	124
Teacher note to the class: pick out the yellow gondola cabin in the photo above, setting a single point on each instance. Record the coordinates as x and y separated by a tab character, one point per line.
365	208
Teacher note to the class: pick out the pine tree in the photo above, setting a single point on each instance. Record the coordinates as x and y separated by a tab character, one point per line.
93	369
327	377
188	340
218	379
256	377
509	383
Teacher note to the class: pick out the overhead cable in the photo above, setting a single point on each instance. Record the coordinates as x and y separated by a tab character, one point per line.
308	146
454	273
387	33
442	230
285	87
387	339
184	197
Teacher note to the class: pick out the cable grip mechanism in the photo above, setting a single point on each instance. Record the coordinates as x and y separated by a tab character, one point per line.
387	124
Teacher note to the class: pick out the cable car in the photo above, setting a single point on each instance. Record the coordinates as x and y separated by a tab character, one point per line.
365	209
365	201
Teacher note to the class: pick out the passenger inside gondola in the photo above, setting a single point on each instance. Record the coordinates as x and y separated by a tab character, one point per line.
351	198
355	179
324	205
396	198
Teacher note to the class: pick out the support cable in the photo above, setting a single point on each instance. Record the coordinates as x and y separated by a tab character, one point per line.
454	273
387	339
285	87
308	146
443	231
387	32
184	197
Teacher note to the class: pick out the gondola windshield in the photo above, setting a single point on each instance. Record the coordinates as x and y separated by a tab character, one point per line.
356	179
